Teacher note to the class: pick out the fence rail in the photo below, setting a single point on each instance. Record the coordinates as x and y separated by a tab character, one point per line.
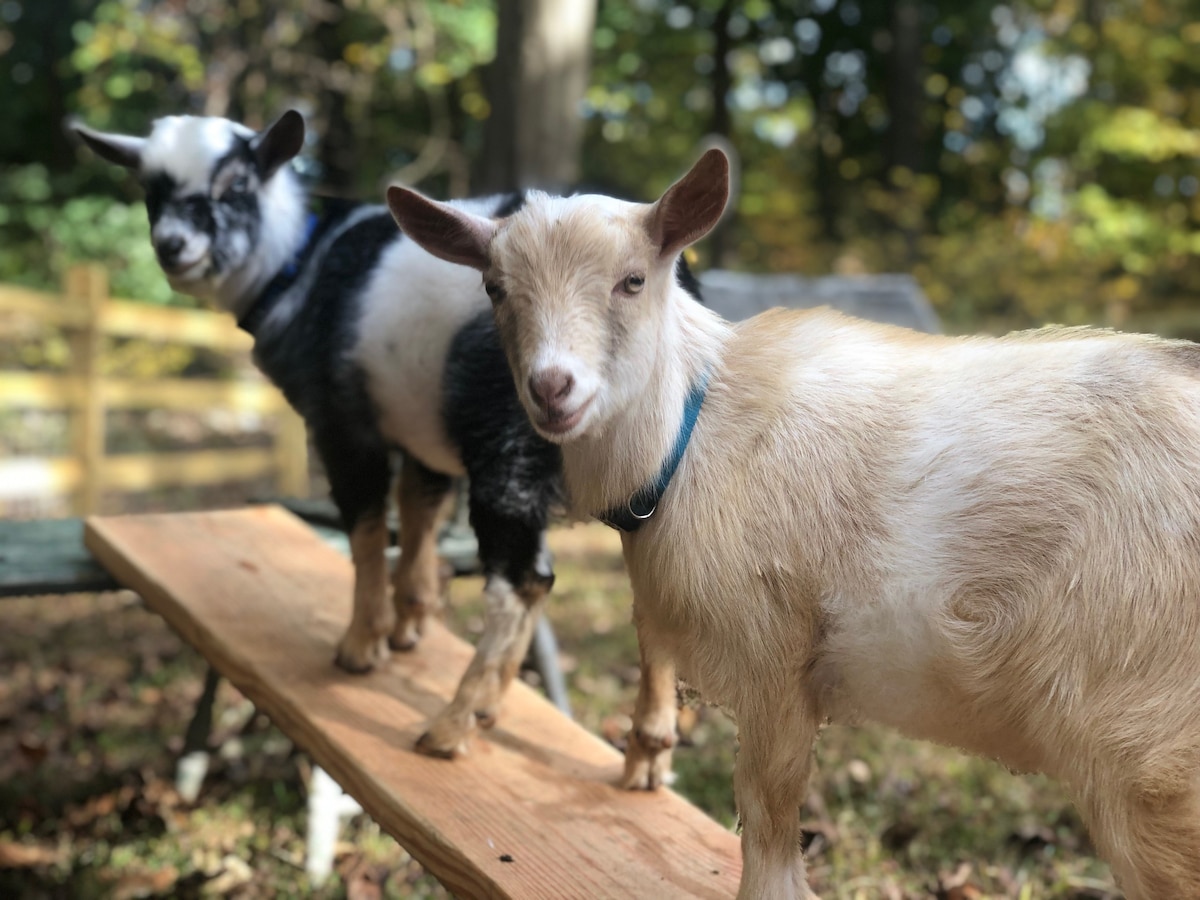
86	315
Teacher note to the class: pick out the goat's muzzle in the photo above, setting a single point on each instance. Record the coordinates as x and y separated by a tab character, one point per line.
552	390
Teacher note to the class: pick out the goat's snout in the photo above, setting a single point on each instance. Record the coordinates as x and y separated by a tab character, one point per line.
169	248
550	388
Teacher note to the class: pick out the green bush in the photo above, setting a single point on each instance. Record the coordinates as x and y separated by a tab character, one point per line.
40	238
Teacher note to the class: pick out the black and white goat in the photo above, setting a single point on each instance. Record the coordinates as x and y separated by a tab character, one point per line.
378	345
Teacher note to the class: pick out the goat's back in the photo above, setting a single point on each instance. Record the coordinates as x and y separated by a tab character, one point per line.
993	543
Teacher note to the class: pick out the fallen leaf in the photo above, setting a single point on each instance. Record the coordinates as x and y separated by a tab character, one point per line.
133	885
364	880
24	856
33	749
234	873
957	885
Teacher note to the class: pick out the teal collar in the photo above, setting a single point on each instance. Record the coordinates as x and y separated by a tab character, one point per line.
643	502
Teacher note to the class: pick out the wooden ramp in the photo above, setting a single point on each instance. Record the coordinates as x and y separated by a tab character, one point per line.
265	600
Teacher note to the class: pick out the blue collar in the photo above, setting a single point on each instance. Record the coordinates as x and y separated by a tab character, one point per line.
643	502
284	279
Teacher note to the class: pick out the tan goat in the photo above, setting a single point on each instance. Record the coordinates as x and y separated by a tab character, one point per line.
988	543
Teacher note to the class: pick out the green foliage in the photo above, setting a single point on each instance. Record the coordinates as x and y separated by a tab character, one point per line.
1029	161
43	233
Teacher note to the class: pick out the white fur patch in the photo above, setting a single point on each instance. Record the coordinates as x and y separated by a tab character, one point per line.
413	306
185	147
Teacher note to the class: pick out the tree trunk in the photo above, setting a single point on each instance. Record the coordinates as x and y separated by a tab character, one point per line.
722	83
337	154
533	135
904	87
905	101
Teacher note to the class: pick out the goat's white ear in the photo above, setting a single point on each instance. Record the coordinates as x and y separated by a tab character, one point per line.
446	232
278	144
692	205
116	148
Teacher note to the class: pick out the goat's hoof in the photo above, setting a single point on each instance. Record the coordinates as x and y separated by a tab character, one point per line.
647	761
403	644
358	660
427	745
406	636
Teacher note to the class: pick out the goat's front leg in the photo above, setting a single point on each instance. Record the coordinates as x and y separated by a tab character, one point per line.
508	628
417	585
365	641
774	762
655	717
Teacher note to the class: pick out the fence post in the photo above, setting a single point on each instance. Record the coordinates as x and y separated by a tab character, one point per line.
291	452
86	288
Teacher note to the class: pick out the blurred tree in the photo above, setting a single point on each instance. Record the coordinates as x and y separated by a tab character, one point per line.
1027	160
535	85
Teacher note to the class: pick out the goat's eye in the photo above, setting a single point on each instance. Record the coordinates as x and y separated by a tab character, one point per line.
633	284
494	291
237	186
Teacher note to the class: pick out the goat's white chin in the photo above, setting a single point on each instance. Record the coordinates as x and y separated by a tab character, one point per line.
563	429
190	273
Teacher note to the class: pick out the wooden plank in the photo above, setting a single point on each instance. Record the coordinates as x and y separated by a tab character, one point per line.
40	390
197	327
190	393
47	556
265	601
146	471
87	289
46	308
291	452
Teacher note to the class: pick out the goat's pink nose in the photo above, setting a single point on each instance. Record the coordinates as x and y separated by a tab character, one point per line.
551	386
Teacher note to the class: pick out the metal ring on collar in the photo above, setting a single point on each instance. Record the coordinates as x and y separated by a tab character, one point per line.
640	518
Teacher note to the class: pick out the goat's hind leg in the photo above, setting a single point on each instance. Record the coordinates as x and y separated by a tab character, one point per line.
417	584
358	478
519	577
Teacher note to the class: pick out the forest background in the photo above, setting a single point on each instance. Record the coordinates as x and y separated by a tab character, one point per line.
1027	161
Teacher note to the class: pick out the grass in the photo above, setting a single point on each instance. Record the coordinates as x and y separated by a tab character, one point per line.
96	692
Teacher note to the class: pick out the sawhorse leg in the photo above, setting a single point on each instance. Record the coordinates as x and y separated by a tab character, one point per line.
193	764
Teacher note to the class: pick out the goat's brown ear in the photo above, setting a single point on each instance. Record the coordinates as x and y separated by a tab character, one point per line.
446	232
692	205
279	143
116	148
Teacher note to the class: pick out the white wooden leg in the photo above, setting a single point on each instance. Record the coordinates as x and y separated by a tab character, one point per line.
328	804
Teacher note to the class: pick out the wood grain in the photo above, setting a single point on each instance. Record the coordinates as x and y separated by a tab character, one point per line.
265	600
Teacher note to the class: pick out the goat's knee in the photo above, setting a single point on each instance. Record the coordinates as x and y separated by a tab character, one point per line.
419	583
508	629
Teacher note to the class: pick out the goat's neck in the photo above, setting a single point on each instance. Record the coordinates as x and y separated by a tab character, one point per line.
604	469
281	236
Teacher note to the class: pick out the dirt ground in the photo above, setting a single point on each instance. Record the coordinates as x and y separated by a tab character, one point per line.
96	692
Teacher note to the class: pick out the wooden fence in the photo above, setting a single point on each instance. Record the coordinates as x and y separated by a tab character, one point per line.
86	315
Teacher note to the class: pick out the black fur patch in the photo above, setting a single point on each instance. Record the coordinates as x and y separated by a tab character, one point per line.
308	360
687	280
515	474
509	205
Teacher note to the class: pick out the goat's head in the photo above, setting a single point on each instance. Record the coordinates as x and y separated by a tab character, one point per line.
580	286
208	182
